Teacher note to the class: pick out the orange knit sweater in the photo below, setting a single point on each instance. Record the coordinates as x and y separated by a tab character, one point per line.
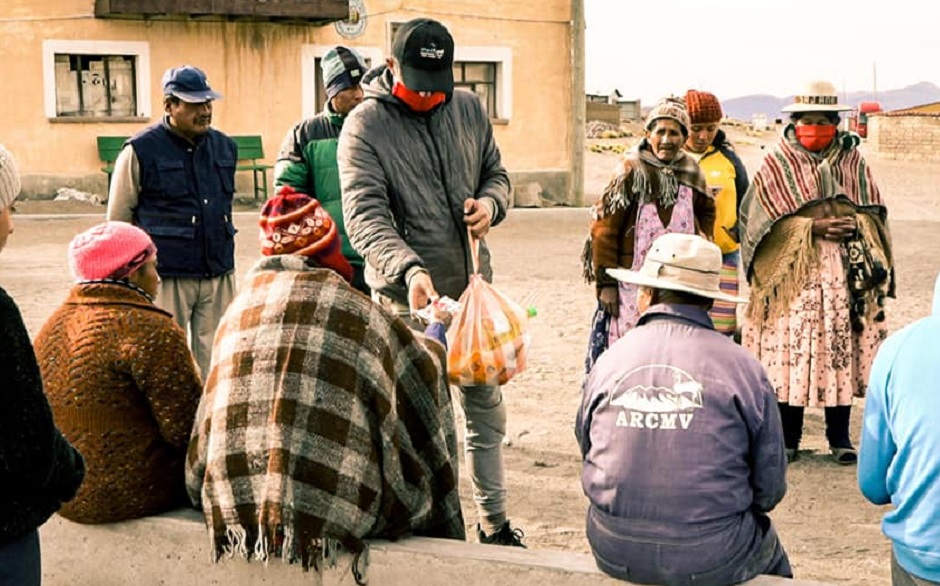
123	389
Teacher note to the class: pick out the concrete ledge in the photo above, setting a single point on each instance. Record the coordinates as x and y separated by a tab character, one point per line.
173	549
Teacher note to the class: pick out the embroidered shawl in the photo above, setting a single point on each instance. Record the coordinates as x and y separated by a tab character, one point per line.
325	420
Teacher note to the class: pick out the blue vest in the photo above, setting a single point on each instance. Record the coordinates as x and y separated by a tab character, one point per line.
185	200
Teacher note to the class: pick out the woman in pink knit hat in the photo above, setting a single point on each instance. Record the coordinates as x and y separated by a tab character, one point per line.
120	378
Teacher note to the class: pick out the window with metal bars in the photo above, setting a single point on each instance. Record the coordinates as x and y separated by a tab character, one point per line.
479	78
100	86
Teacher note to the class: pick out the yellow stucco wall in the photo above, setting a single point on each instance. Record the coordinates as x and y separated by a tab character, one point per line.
257	67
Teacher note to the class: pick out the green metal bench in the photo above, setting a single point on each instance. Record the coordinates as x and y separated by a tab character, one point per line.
251	149
108	149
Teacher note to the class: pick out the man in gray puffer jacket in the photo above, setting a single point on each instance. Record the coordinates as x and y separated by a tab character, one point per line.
420	172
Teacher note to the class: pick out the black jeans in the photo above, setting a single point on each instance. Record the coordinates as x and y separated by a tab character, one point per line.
20	561
837	425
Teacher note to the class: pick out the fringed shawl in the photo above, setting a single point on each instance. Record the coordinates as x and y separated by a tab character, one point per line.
777	247
651	179
642	177
325	421
791	177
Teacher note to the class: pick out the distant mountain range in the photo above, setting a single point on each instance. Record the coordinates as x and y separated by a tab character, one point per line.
745	107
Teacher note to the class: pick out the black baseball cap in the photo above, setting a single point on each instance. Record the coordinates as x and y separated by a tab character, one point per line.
424	50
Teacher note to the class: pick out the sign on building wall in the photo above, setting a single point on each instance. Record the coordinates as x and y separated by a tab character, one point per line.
355	25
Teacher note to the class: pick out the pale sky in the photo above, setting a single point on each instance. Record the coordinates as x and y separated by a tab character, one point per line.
650	48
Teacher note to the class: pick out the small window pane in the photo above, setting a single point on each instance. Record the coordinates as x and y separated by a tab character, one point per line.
479	72
483	92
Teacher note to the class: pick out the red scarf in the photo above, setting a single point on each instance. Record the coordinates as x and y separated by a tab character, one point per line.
415	100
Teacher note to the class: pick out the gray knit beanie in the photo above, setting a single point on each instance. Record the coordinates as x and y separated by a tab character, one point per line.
9	178
343	68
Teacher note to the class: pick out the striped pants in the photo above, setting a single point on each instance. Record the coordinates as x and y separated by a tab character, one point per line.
724	313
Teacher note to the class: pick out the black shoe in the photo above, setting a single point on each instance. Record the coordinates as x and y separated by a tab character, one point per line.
505	535
844	456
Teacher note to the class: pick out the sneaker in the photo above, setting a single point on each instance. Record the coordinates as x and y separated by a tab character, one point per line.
504	536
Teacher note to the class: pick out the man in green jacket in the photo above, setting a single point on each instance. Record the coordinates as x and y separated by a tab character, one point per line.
307	161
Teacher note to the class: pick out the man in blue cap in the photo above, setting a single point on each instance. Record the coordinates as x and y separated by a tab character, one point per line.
307	161
176	180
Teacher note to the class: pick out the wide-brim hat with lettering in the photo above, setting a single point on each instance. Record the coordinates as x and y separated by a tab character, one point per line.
680	262
424	50
189	84
817	96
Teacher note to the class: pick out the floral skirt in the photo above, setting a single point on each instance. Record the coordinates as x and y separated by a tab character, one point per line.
811	353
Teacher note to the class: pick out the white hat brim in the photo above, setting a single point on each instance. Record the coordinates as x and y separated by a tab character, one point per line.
642	280
817	108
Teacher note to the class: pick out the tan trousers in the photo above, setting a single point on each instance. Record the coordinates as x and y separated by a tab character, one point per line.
197	306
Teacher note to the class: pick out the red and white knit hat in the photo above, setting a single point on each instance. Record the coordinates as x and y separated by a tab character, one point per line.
295	223
111	250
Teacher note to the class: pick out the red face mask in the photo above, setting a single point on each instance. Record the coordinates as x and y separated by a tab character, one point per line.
815	137
416	101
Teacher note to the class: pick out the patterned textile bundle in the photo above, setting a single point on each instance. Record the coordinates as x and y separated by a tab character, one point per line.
325	421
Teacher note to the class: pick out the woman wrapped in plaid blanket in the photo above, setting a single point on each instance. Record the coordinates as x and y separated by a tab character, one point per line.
325	420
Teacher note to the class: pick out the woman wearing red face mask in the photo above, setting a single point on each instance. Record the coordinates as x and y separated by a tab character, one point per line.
817	254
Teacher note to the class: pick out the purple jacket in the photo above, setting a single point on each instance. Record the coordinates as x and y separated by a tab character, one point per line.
681	439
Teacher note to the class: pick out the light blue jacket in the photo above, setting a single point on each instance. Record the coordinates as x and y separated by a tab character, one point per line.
899	461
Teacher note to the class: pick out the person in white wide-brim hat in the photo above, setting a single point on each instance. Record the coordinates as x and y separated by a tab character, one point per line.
816	251
817	96
682	263
680	437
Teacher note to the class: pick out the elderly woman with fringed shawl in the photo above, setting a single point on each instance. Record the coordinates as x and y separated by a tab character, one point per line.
325	420
658	189
817	254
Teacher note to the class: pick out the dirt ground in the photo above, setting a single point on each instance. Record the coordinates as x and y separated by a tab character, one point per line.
830	532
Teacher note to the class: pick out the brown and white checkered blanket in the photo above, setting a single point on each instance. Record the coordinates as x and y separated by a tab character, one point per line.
324	420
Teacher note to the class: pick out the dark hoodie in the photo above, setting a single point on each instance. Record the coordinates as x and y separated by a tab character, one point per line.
39	469
405	177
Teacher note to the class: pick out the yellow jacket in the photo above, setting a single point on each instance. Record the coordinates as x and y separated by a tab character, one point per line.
726	177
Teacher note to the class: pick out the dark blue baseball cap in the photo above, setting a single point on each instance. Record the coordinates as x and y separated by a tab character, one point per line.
189	84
